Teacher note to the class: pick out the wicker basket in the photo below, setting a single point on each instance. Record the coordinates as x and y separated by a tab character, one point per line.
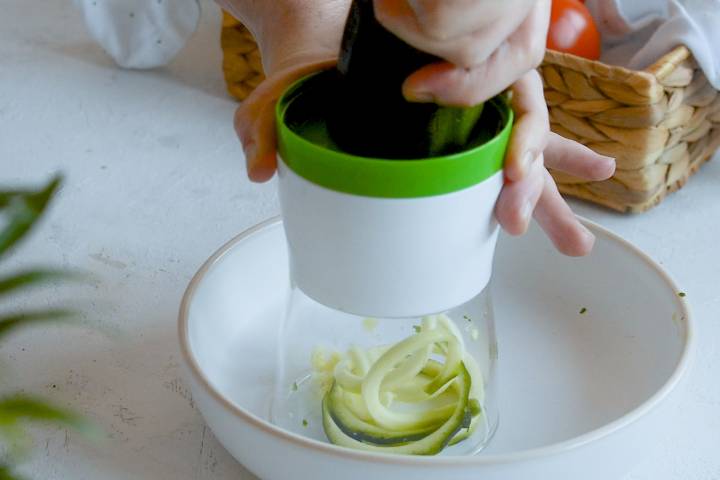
660	124
241	58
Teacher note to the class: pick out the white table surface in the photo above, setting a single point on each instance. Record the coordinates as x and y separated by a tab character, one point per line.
155	183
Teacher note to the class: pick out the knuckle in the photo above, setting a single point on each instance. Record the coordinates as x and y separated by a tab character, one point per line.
382	17
465	55
535	79
536	54
542	124
434	21
465	91
433	27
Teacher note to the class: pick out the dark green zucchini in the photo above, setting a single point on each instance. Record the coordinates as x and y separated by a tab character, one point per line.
370	116
431	444
363	431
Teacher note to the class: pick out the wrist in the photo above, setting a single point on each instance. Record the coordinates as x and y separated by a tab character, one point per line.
295	32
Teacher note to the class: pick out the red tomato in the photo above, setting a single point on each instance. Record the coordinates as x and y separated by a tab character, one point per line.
572	30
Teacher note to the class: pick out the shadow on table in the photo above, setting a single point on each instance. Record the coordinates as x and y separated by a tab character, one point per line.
198	66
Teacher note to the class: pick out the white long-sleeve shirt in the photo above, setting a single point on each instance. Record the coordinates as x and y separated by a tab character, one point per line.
149	33
636	33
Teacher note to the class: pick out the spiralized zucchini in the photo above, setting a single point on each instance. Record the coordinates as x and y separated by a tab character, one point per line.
414	397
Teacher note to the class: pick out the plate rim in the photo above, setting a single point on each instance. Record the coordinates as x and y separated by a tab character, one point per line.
457	461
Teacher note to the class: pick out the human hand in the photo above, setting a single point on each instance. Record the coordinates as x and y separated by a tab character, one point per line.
529	187
296	38
486	44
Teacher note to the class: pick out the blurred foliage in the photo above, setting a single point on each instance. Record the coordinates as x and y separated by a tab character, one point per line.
20	211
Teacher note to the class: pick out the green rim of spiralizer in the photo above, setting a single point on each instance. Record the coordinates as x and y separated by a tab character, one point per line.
377	177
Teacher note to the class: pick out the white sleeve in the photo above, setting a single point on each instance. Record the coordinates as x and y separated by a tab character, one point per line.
616	19
693	23
141	33
636	33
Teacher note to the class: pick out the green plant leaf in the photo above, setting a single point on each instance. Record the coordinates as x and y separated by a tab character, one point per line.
6	473
25	407
11	322
28	278
23	210
19	212
6	196
19	443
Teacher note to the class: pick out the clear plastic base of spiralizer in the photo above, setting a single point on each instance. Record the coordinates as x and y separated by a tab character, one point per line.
421	385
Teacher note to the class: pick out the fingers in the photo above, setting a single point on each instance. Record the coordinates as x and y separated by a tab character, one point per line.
532	127
463	32
510	59
255	118
256	128
568	235
524	164
577	159
518	199
536	190
447	19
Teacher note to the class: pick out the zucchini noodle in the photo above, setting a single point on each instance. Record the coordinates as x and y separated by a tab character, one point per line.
414	397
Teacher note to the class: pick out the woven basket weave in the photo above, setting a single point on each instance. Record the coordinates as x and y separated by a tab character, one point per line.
241	58
660	124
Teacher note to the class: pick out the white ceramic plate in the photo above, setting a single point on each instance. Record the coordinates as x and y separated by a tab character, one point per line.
580	395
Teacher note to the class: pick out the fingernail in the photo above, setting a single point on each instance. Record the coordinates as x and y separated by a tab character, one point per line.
612	164
585	245
420	97
589	236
